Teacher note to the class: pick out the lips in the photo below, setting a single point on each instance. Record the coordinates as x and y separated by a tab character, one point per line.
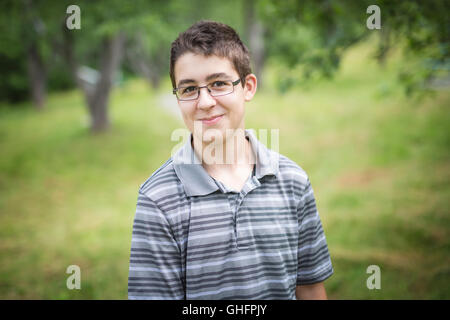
212	120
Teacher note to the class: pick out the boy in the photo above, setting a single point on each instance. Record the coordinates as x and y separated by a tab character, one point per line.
206	228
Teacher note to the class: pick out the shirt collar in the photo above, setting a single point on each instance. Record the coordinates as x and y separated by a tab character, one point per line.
196	180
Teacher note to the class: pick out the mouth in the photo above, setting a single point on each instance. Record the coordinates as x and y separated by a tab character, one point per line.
211	120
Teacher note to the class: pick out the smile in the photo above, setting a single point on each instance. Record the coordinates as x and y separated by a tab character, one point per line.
212	120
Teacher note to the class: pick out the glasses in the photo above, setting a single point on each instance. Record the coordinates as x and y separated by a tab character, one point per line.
216	88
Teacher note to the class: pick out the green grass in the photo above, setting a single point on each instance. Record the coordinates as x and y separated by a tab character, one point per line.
378	162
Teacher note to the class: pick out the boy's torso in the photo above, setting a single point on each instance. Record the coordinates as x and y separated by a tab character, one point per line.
234	245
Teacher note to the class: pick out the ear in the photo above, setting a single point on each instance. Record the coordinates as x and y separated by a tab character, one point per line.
250	86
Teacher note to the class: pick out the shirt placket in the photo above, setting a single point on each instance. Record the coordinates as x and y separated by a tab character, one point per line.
250	185
233	199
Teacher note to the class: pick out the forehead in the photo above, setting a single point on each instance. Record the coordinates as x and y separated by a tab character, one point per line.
198	67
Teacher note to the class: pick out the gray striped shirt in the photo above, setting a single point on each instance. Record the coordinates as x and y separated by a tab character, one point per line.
194	238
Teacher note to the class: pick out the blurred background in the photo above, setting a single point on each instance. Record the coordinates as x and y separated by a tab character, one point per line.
86	116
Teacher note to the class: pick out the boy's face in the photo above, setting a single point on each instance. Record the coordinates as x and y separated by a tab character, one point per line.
199	70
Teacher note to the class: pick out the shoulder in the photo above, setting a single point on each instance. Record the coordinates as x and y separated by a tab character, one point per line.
293	175
290	169
298	179
163	184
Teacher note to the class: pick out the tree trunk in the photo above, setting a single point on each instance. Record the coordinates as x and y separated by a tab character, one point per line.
144	65
111	56
384	44
97	95
255	34
37	76
36	68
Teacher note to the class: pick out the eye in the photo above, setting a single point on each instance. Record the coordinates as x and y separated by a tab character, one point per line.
188	89
219	83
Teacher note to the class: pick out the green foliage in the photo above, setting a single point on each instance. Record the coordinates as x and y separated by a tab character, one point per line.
13	82
315	34
308	38
23	23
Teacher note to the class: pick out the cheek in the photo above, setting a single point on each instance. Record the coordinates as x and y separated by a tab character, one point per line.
236	108
187	113
234	104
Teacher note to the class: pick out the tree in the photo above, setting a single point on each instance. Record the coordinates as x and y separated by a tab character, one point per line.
94	53
29	64
105	28
315	34
37	71
24	41
148	46
96	92
254	33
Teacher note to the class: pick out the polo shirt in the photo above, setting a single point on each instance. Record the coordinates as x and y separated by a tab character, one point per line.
195	238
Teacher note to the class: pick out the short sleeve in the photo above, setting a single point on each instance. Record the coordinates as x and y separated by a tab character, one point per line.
155	271
314	262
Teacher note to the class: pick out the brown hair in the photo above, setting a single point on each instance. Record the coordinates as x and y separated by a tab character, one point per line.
211	38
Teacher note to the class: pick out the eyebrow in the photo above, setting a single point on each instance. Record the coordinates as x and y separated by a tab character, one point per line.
208	78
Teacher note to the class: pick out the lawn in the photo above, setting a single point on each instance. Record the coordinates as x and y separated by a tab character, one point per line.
378	162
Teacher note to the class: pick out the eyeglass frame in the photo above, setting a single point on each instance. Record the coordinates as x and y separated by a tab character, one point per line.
234	83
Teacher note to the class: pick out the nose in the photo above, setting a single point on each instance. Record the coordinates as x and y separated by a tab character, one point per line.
205	100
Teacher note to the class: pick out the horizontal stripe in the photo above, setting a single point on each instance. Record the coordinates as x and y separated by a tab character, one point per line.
260	283
199	239
234	259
